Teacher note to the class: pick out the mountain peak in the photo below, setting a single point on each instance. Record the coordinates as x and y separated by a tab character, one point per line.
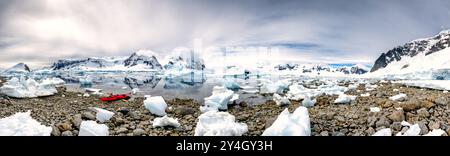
20	67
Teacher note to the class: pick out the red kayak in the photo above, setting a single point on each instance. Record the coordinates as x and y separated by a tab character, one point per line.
115	98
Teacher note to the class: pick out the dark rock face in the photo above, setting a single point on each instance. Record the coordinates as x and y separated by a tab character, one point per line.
411	49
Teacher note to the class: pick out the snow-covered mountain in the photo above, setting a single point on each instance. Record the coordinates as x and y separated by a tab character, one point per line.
184	61
323	68
138	61
421	55
18	68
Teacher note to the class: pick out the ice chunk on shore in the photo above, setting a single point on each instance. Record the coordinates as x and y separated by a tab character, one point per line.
103	115
22	124
435	132
287	124
404	123
21	88
281	101
91	128
156	105
383	132
414	130
165	121
375	109
218	100
54	81
214	123
399	97
307	102
344	99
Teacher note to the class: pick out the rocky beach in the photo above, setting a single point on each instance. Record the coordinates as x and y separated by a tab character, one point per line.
65	111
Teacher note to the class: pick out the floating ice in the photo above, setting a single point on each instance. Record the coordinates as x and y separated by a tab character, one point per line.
399	97
281	101
344	99
218	100
103	115
277	87
21	88
383	132
135	91
165	121
287	124
214	123
91	128
231	84
85	82
156	105
22	124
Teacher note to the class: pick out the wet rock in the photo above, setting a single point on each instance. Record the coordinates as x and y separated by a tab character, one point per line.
55	131
184	111
423	128
135	115
382	122
88	116
64	126
397	116
76	120
397	126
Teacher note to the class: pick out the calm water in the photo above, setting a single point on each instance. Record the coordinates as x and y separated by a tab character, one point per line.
196	88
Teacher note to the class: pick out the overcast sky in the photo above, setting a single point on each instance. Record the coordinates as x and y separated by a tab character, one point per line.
318	31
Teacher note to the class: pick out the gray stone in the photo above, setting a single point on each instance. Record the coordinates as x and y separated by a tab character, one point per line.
122	130
76	120
423	113
184	111
397	116
423	128
337	134
55	131
135	115
88	115
397	126
382	122
441	101
67	133
138	132
324	133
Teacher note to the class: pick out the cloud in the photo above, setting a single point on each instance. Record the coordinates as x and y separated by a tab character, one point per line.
304	31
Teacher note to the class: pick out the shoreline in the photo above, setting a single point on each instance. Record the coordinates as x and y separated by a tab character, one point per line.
65	110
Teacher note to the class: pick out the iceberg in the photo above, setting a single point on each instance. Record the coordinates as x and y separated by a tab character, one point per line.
22	124
165	121
214	123
218	100
156	105
21	88
231	84
287	124
91	128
